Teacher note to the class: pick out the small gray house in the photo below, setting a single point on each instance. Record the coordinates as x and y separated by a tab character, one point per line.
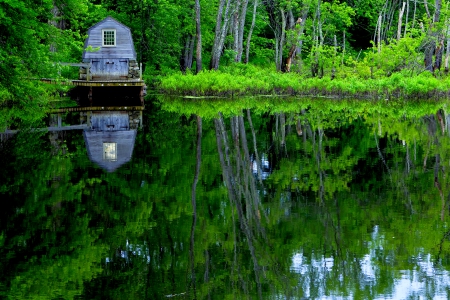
110	138
110	149
109	50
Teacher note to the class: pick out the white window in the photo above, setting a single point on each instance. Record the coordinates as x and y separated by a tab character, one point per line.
109	151
108	37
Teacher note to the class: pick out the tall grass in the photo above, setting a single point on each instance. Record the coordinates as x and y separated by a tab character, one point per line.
246	80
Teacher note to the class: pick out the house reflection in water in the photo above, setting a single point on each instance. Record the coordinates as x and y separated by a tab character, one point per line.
110	137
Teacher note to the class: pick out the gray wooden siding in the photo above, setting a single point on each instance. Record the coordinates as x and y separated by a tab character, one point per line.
110	121
125	144
124	42
103	68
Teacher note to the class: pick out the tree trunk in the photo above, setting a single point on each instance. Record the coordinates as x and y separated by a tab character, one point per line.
399	27
318	42
333	71
57	21
437	11
187	57
220	33
425	3
194	204
406	19
198	53
447	52
279	58
277	21
240	33
379	33
434	37
235	28
343	48
438	54
390	17
414	14
250	32
298	52
294	47
440	43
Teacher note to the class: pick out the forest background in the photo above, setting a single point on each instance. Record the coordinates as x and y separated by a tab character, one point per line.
358	48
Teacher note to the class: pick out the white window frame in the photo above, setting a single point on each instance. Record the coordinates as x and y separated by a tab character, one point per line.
109	151
103	37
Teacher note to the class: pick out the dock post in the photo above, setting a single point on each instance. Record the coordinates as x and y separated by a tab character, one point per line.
88	119
90	95
87	73
59	121
140	71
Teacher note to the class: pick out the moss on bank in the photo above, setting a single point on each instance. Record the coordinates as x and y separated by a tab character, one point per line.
242	80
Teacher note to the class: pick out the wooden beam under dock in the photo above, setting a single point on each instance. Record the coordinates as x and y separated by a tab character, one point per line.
96	83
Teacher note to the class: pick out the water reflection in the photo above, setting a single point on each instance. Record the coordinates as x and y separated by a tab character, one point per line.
317	201
111	137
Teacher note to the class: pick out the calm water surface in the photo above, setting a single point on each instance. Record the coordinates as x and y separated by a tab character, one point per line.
244	199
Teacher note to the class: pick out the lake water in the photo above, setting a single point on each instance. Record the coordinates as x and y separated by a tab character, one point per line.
233	199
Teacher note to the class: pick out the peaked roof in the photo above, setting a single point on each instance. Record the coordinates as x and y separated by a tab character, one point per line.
106	19
128	51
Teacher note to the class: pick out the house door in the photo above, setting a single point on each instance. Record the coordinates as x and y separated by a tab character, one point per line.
109	68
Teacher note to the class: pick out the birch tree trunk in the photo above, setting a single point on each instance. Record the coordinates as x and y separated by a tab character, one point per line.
298	53
250	32
296	47
333	71
400	16
239	34
379	33
279	57
241	186
198	53
235	27
277	21
414	14
293	48
406	19
220	33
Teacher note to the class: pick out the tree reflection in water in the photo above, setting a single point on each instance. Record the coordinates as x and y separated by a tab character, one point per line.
321	200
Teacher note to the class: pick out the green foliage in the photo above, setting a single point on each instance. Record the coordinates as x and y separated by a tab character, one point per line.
357	81
89	48
396	56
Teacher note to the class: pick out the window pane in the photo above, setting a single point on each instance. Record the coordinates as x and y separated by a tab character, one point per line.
109	38
110	151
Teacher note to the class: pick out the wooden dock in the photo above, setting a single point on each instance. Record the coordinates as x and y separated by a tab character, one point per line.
95	83
96	108
59	124
53	129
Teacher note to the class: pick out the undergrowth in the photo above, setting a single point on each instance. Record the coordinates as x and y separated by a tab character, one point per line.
246	80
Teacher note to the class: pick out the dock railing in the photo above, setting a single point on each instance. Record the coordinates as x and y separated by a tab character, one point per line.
86	65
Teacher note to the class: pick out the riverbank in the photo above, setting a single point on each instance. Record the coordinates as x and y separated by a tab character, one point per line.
249	81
